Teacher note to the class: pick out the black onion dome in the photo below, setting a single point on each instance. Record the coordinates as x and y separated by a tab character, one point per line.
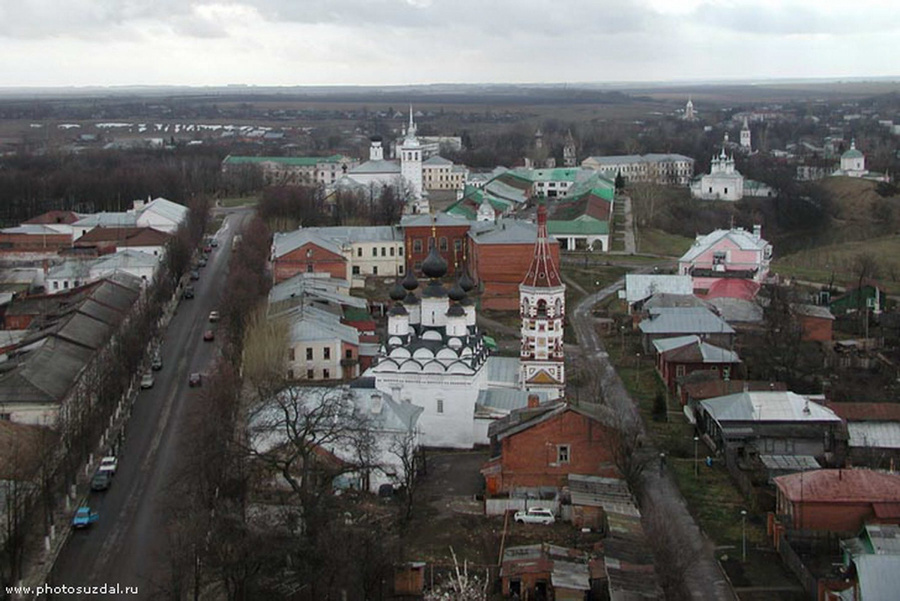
434	265
410	282
398	310
456	292
456	311
411	299
434	290
466	283
397	292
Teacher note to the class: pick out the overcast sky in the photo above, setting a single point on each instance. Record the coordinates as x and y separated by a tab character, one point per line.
296	42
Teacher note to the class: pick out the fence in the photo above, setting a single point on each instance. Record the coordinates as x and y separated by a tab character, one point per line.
501	506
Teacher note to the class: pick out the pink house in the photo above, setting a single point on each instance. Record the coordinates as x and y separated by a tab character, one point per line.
726	254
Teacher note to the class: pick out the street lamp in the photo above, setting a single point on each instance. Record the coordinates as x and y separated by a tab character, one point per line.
744	535
696	464
637	373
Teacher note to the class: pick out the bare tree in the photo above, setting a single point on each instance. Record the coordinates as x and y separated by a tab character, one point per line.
405	447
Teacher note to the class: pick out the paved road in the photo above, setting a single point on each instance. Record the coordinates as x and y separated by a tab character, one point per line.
703	578
127	545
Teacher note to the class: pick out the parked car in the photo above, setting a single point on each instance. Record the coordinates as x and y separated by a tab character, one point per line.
209	336
101	480
213	242
535	515
147	380
109	464
195	379
213	316
195	275
207	248
156	363
201	262
188	292
84	517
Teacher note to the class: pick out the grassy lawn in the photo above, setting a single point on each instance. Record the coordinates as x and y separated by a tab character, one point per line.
239	201
582	281
658	242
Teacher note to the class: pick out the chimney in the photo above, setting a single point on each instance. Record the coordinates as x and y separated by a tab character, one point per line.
757	232
533	401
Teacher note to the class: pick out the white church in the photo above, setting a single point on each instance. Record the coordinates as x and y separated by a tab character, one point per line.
724	181
435	356
403	174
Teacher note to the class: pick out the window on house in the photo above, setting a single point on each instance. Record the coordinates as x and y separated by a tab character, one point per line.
679	370
443	243
291	353
356	270
56	285
440	405
326	352
719	257
290	374
392	251
383	251
457	245
563	453
430	243
309	268
326	374
309	354
399	251
400	270
417	245
348	353
417	265
374	252
359	252
308	253
375	270
310	374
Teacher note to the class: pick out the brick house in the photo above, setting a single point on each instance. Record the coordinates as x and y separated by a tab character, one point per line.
677	357
837	500
450	233
499	255
541	445
815	321
302	251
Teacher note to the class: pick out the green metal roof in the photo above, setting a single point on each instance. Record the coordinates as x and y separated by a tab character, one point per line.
292	161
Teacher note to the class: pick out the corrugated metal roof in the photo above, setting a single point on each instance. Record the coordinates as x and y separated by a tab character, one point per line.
507	399
504	231
285	242
878	576
361	233
503	370
879	435
684	320
767	406
639	286
166	209
790	462
382	166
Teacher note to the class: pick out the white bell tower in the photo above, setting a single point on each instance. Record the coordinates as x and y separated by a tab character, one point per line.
542	307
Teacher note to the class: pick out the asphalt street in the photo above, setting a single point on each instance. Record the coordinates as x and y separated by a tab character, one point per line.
127	546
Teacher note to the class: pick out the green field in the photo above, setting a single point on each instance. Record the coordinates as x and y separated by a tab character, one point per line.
658	242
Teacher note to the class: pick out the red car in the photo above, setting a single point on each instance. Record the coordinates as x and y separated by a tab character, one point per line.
209	335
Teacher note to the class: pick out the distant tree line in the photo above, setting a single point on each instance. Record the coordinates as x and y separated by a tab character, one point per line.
104	180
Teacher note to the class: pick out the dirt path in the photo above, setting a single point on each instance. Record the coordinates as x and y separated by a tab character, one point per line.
703	578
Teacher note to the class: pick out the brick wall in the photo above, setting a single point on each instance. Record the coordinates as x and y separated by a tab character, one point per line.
530	457
309	258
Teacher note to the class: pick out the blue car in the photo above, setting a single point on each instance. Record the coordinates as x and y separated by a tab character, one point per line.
84	517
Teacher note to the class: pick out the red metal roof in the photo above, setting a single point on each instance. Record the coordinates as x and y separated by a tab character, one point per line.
733	288
124	236
841	486
51	217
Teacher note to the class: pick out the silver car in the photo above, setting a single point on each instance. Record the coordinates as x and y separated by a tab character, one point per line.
535	515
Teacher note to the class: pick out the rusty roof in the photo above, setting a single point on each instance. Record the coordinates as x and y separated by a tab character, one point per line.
867	412
841	486
713	388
